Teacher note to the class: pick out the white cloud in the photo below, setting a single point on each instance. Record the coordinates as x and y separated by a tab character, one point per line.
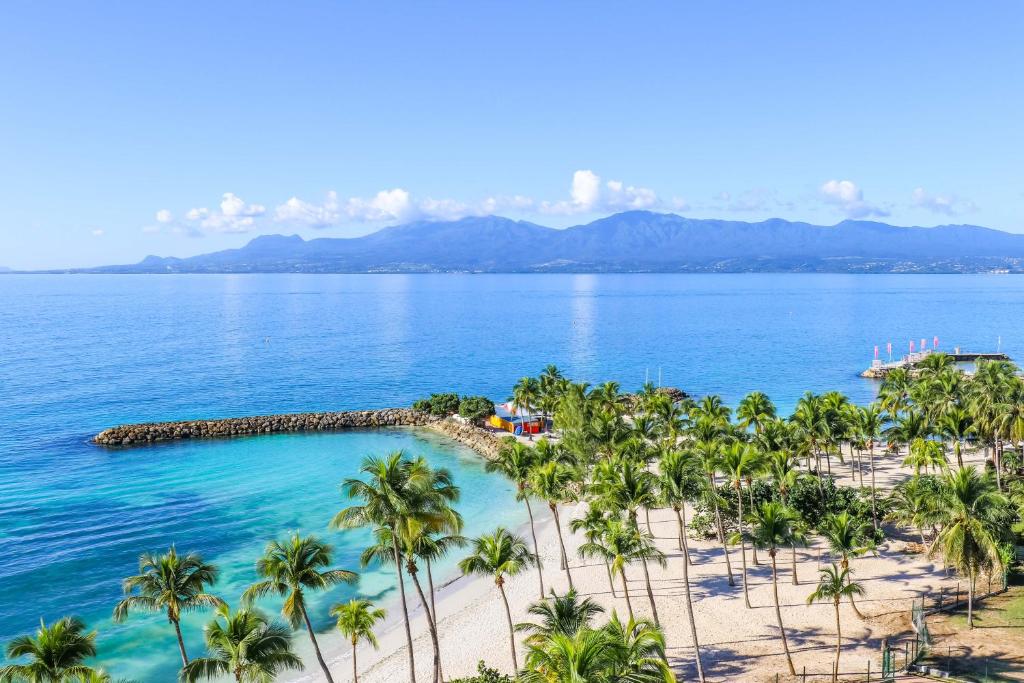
587	195
947	204
386	205
233	215
164	216
850	198
323	215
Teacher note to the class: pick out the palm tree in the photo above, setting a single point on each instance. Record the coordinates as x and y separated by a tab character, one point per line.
525	395
973	515
550	482
833	585
847	537
754	410
736	462
708	452
593	524
563	614
868	426
56	654
290	568
499	555
773	527
622	543
914	503
957	424
926	454
245	644
395	488
169	583
676	486
515	461
356	619
640	650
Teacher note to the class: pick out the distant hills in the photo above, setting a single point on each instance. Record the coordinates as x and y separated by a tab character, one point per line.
635	241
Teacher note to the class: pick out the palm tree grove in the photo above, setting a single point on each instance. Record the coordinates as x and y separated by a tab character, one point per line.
639	507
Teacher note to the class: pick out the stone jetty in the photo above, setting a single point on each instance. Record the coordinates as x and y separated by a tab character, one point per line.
483	441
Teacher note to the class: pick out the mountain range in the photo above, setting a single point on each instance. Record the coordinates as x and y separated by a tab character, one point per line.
634	241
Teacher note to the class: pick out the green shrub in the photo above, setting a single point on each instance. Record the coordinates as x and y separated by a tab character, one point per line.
476	408
485	674
441	405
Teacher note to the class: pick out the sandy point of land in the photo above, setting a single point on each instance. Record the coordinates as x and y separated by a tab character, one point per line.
737	643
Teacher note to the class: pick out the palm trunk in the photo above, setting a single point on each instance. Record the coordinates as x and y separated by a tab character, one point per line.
957	449
625	591
431	626
316	646
855	609
874	511
536	548
181	642
796	579
689	613
839	642
753	548
647	518
561	543
355	667
405	607
970	601
611	580
743	546
650	593
721	537
778	613
511	629
683	543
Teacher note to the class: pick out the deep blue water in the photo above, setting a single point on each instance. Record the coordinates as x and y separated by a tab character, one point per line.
80	353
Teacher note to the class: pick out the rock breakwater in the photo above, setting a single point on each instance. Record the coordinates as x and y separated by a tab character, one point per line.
483	441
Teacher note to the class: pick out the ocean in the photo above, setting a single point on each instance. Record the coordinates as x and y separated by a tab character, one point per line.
81	353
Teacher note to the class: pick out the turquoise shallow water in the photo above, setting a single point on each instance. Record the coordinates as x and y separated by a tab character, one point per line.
79	353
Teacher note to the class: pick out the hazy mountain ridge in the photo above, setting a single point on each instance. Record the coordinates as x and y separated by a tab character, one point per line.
635	241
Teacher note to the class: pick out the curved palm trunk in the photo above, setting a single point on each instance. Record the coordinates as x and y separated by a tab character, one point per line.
683	543
970	601
511	629
561	543
778	613
431	625
316	646
647	518
957	450
839	642
405	607
181	642
650	593
855	608
625	591
536	548
355	667
743	545
725	546
693	623
611	580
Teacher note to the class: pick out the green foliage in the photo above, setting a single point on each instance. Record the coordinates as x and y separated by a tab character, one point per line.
485	674
476	408
441	405
814	502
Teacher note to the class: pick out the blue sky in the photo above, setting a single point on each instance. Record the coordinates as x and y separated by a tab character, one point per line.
179	128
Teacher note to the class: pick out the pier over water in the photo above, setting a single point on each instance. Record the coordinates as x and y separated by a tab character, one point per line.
879	370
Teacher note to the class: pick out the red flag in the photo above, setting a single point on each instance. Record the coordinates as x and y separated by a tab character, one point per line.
876	352
935	343
911	345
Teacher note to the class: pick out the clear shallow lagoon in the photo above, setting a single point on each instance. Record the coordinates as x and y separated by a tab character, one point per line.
80	353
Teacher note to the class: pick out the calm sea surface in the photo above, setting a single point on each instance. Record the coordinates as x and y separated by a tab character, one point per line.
80	353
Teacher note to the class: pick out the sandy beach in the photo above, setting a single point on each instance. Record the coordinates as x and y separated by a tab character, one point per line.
736	643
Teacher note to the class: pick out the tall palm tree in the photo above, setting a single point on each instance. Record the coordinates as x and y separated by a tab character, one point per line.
169	583
500	554
56	654
773	528
593	524
356	619
562	614
755	410
868	426
515	460
393	489
989	387
640	649
973	516
676	485
289	569
622	544
914	503
708	452
736	462
550	481
245	644
926	454
833	585
847	537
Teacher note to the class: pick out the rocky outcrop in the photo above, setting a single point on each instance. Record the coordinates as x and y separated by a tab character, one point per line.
483	441
131	435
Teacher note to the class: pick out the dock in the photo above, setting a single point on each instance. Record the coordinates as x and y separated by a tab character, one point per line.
879	369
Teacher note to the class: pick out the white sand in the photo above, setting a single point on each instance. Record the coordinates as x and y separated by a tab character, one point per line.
736	643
